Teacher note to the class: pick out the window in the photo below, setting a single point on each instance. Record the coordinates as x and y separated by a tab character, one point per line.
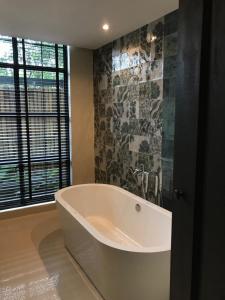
34	121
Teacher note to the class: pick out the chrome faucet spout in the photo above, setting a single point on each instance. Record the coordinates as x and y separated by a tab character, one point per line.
144	178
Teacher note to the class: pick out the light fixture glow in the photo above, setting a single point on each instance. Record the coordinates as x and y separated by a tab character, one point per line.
105	27
153	38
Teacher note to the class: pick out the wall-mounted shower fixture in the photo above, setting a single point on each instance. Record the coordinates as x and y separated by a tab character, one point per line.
144	179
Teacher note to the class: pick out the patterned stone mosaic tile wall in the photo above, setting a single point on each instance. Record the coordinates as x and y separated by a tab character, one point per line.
134	94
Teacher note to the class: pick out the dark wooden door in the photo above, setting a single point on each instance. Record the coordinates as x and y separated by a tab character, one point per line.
211	243
198	241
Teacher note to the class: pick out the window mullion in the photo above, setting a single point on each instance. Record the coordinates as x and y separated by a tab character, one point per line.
66	103
19	121
59	116
27	121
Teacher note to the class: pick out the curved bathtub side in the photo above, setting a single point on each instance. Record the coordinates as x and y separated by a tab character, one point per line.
150	227
117	274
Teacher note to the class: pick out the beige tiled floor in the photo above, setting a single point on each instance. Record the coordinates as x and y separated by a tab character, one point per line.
34	263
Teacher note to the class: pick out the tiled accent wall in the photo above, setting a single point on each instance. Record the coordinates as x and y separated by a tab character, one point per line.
134	95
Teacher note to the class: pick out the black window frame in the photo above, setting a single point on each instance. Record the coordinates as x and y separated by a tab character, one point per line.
63	155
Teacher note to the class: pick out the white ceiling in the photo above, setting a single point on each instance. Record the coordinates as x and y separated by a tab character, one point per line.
78	22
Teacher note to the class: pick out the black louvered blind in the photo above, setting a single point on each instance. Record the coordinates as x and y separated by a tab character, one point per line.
34	121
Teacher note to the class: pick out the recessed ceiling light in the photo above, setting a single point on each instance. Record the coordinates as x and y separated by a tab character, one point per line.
105	27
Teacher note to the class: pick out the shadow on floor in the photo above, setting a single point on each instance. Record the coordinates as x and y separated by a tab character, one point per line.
65	280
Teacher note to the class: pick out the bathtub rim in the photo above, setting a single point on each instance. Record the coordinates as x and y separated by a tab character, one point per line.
100	237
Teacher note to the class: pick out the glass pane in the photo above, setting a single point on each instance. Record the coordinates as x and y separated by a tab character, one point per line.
20	52
7	91
6	49
40	54
45	177
8	138
63	102
43	137
48	56
9	186
60	57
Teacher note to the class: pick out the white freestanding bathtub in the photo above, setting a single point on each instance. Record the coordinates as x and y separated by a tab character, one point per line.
121	241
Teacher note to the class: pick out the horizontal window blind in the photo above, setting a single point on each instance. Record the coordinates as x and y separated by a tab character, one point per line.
34	121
